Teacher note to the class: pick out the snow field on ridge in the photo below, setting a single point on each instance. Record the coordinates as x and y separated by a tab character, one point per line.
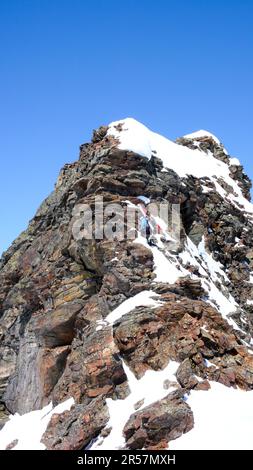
137	138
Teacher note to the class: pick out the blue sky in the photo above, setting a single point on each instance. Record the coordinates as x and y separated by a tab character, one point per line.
68	66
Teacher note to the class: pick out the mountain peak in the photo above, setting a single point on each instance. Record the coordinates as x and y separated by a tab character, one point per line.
202	134
200	159
129	297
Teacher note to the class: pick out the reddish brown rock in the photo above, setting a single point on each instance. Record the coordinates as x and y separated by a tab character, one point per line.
158	423
75	429
94	368
185	375
203	385
188	331
12	444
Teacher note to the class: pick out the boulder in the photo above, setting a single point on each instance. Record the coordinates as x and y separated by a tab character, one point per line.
161	422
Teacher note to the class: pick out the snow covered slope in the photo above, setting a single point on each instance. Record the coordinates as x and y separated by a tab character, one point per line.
136	137
223	420
200	134
25	432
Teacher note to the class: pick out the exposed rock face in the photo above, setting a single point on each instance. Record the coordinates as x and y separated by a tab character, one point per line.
75	429
94	368
56	291
163	421
189	332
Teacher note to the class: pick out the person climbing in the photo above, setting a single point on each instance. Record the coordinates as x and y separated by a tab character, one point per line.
146	227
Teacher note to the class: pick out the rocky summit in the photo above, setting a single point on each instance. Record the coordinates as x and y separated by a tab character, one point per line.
127	338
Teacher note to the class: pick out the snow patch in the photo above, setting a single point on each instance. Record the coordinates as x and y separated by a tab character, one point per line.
223	420
235	161
136	137
29	428
142	299
149	388
211	272
165	270
202	133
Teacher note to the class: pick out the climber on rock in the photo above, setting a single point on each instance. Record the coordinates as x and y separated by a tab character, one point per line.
146	228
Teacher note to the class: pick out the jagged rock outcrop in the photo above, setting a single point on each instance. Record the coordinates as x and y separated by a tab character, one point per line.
184	330
163	421
75	429
58	289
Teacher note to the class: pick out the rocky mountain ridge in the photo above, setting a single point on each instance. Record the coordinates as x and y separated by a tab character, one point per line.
93	319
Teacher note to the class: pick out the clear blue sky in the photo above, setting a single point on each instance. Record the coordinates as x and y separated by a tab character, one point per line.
68	66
